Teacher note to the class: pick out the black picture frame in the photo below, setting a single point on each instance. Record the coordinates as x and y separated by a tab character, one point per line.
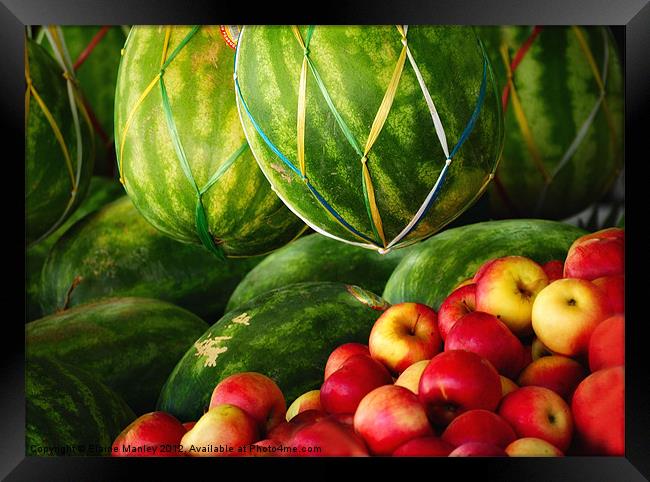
633	19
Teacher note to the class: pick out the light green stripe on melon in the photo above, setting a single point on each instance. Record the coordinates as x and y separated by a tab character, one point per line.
129	344
434	267
286	334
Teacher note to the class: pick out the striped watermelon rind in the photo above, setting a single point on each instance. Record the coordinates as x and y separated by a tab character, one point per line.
50	194
557	89
317	258
68	410
244	217
433	268
129	344
356	64
115	252
286	334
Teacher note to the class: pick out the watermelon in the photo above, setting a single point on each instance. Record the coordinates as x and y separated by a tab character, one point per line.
564	140
317	258
182	154
59	149
116	252
130	344
286	334
69	411
95	54
100	191
435	267
377	177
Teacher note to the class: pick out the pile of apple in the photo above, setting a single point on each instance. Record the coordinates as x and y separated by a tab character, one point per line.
520	360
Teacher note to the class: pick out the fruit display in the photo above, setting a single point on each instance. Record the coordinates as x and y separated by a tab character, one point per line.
561	90
115	252
59	143
179	305
181	152
376	150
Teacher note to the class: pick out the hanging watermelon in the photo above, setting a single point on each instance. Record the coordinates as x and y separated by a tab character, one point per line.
181	151
562	96
374	135
59	141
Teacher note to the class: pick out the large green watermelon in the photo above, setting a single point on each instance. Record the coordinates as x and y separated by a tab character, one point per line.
317	258
286	334
563	118
376	135
182	154
68	411
116	252
95	54
130	344
100	191
59	149
433	268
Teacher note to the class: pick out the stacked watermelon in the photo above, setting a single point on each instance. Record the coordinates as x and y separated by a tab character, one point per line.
174	299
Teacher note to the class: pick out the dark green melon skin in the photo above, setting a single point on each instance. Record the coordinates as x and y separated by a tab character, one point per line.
557	90
130	344
116	252
286	334
47	182
66	406
317	258
244	216
356	63
100	192
97	77
434	267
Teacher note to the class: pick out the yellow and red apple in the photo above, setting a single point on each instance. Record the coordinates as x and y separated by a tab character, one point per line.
532	447
410	378
404	334
558	373
508	288
307	401
565	314
149	436
596	255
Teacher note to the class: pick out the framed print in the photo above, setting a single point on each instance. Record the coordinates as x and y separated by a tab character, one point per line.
366	236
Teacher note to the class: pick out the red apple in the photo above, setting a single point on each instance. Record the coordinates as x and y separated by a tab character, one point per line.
596	255
532	447
410	378
284	431
221	431
341	354
508	288
557	373
456	381
429	446
507	386
265	448
189	425
390	416
479	426
307	401
404	334
327	438
607	344
459	303
478	449
485	335
538	412
344	389
150	435
255	393
598	407
614	288
566	313
554	270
